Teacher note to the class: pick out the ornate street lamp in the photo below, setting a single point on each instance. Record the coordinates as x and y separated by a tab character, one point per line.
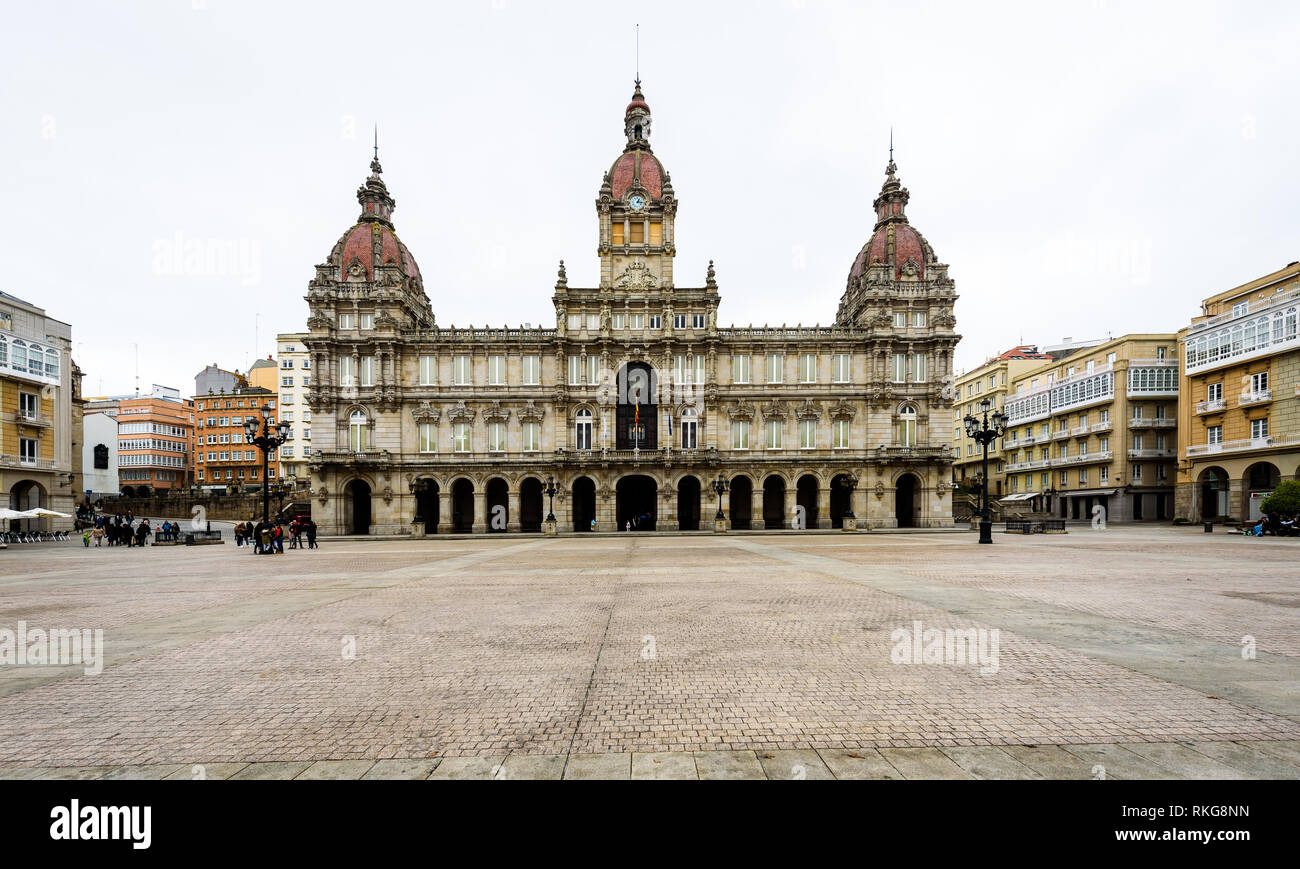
550	491
268	440
850	482
417	487
720	489
984	434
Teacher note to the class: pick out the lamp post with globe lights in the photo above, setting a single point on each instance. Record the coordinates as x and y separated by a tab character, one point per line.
269	439
982	432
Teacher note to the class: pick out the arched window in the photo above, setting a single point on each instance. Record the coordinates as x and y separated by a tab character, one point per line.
20	356
358	434
51	363
583	429
690	429
907	426
4	345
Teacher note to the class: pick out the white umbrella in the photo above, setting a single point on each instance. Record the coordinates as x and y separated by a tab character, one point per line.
7	513
38	512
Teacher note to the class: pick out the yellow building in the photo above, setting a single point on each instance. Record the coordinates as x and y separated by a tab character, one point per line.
990	381
1240	409
37	386
1097	428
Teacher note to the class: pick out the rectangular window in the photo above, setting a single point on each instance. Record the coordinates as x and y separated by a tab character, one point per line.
286	381
27	403
347	321
27	451
775	368
808	434
1137	473
841	364
1103	474
898	368
616	233
918	367
619	321
636	321
656	233
1214	392
461	374
1259	428
808	368
428	370
460	437
697	321
739	369
918	319
593	322
496	371
532	370
900	319
367	371
840	434
575	370
347	376
428	437
367	321
656	321
697	375
1214	434
593	370
496	436
740	434
679	321
680	372
636	232
532	437
1259	382
774	428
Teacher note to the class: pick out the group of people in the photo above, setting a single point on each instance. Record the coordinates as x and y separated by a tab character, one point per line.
1284	525
267	538
121	530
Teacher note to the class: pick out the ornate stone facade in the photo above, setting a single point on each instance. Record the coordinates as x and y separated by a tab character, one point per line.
636	401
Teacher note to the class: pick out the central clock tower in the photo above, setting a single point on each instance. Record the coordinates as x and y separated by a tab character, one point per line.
636	208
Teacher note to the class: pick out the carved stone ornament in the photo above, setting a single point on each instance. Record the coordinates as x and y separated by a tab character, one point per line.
880	488
494	412
843	410
461	413
910	268
426	412
530	412
740	411
323	494
637	277
809	410
319	322
775	410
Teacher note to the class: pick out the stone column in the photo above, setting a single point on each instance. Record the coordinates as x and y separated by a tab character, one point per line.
1238	501
666	514
756	508
512	510
563	510
860	508
824	507
791	501
444	511
480	512
605	509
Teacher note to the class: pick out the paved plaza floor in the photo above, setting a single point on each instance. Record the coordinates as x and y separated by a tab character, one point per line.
1133	652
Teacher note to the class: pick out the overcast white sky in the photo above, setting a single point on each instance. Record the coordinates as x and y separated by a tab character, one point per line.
1085	168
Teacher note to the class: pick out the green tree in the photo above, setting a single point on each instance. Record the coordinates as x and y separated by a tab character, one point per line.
1284	499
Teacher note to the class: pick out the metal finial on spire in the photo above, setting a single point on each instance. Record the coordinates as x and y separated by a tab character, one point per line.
377	143
891	144
638	55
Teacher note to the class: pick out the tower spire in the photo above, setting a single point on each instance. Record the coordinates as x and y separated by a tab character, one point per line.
638	55
891	150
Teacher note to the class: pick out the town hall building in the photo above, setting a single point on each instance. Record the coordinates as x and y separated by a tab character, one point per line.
635	407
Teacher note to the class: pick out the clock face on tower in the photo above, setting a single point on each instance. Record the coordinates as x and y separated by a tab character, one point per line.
637	202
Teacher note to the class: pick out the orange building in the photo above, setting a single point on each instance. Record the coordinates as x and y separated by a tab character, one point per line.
222	459
154	434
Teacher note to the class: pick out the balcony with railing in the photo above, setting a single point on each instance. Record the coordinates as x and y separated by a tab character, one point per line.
1083	459
1151	454
1255	396
1080	431
1152	422
1243	445
1102	426
1060	434
1212	405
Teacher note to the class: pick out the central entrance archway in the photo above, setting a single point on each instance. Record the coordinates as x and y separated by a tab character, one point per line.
426	505
1214	493
531	510
773	502
637	503
498	506
358	497
688	504
584	504
841	500
806	497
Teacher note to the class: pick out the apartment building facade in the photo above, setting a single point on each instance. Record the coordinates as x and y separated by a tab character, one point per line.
294	382
1097	428
1240	379
223	461
989	382
154	439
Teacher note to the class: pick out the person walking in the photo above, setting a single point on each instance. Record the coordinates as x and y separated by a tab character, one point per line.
311	534
98	534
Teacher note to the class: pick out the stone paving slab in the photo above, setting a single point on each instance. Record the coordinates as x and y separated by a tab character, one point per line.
794	765
271	770
336	769
864	764
469	768
587	767
534	766
208	771
728	765
1115	762
664	765
923	763
989	762
1248	759
1186	762
402	769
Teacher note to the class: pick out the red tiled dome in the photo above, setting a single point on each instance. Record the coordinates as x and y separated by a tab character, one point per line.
907	245
640	165
359	243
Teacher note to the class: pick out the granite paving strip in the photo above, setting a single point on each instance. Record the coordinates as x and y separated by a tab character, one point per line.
271	770
989	762
207	771
923	763
336	769
1106	762
470	768
146	773
1051	761
1248	758
1186	762
1286	749
534	766
794	765
588	767
414	769
664	765
858	764
728	765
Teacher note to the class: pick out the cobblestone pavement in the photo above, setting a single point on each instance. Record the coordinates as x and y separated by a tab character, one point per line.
1119	654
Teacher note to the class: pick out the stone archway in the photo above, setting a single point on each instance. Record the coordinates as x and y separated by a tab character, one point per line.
1258	482
741	495
427	507
906	492
806	497
688	503
841	500
498	506
774	502
584	504
357	497
462	506
637	502
26	495
531	507
1212	491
